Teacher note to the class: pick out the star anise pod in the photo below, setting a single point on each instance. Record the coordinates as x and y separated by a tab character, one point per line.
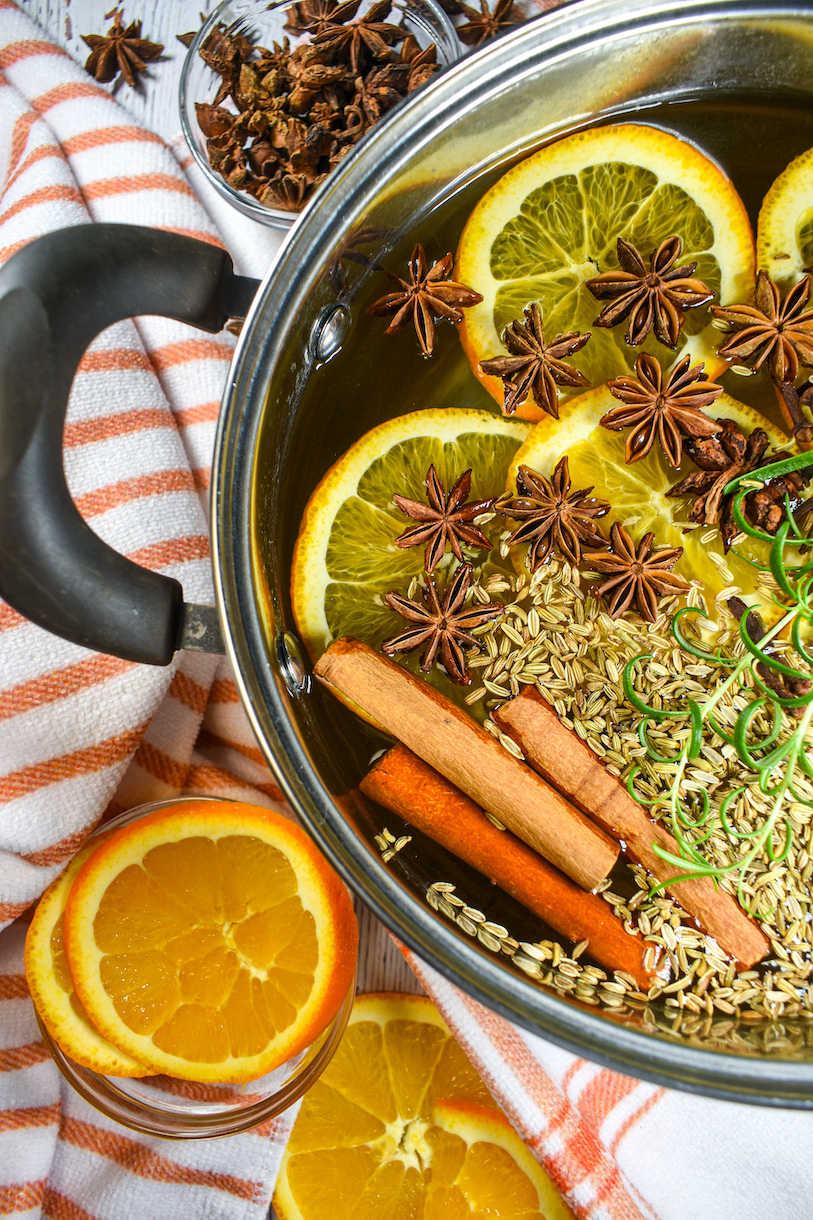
355	41
535	366
638	575
723	458
553	515
375	95
485	24
442	623
654	297
428	294
286	191
445	519
668	408
308	16
119	50
772	331
420	63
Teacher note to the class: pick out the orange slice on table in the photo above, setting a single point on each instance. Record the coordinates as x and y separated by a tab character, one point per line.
400	1113
51	985
481	1167
210	940
553	221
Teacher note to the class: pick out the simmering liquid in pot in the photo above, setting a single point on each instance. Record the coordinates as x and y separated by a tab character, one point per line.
375	377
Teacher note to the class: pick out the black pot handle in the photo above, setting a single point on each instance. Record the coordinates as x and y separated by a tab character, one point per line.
56	295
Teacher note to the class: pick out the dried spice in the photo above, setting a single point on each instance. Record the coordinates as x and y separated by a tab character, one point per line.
427	294
784	686
535	366
361	41
442	623
668	408
724	457
283	118
486	23
120	50
552	515
309	15
654	297
446	519
772	331
637	576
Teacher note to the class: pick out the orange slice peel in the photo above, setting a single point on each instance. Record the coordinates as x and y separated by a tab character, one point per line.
51	986
210	940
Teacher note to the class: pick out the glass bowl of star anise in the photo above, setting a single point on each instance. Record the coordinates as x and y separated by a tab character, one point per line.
274	96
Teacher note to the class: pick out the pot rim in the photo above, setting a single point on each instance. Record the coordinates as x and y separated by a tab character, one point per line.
261	677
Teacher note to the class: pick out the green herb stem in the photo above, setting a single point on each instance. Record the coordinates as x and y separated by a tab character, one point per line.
777	762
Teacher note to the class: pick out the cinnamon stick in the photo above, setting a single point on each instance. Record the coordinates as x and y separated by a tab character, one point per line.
566	761
453	743
400	781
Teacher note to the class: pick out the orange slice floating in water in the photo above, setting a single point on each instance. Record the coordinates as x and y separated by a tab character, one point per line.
553	222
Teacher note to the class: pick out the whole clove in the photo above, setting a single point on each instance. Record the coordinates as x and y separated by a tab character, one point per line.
783	686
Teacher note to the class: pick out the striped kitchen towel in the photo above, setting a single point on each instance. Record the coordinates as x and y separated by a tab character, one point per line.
622	1149
80	733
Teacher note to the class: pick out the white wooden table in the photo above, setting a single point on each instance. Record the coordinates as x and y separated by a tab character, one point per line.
154	104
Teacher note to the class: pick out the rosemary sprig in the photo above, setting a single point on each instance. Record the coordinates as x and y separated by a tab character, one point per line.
778	754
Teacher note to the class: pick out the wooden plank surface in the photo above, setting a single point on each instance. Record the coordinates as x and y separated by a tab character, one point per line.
154	102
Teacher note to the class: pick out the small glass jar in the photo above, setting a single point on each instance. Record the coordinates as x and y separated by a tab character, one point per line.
263	24
186	1109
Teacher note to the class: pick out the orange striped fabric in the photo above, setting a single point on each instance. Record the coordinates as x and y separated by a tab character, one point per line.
21	1197
135	1157
31	1116
82	733
563	1107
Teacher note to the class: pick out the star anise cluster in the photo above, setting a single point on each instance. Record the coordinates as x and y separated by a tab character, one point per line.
551	515
427	294
771	331
485	23
635	575
443	623
534	366
120	50
444	519
725	457
284	117
666	407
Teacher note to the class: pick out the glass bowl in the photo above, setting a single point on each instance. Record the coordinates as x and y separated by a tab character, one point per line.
263	24
186	1109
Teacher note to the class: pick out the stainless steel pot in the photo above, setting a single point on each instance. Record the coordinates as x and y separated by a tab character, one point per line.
589	61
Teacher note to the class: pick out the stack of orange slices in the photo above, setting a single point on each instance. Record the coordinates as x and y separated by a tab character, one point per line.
207	940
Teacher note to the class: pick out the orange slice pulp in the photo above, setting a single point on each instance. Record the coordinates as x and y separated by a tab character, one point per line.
210	940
